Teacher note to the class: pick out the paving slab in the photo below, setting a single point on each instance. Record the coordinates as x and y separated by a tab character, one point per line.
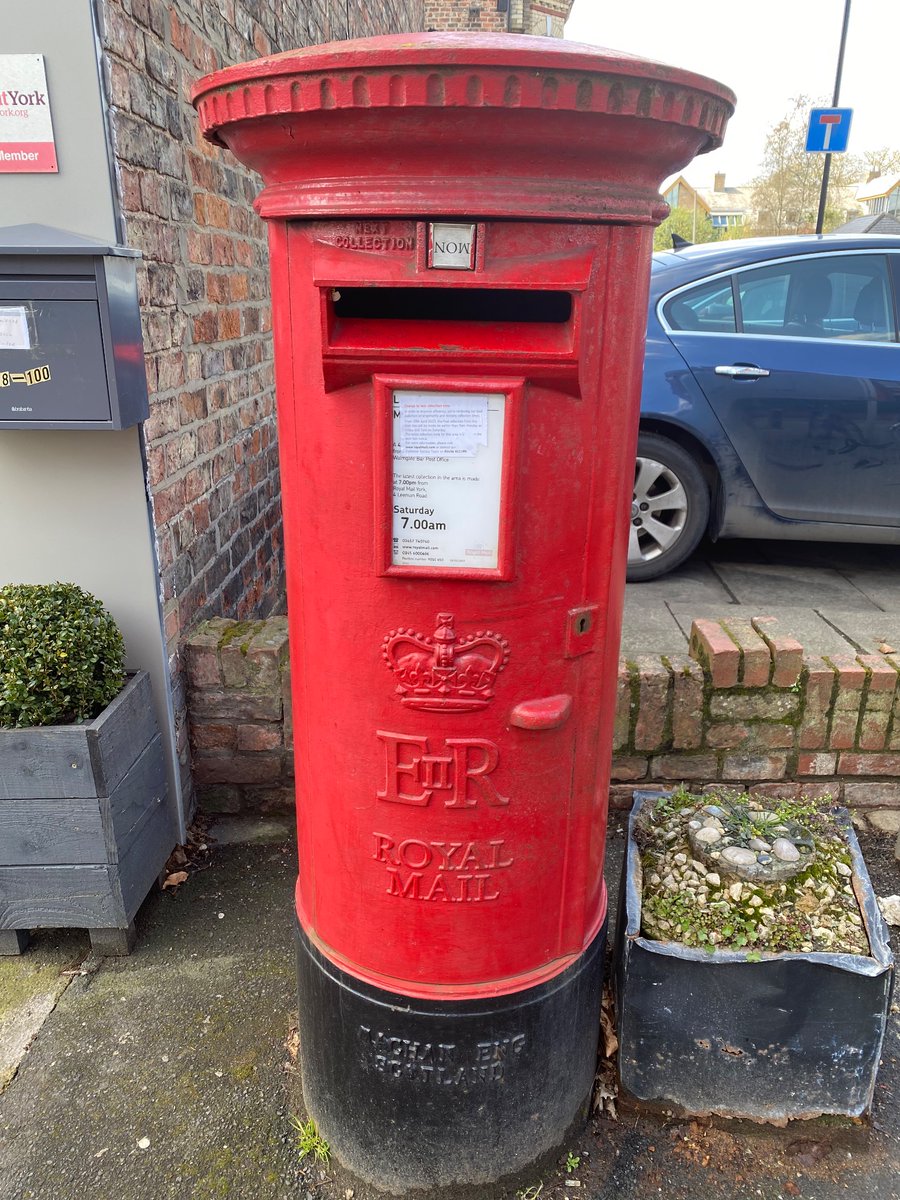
867	630
791	586
694	580
881	586
813	633
30	987
648	627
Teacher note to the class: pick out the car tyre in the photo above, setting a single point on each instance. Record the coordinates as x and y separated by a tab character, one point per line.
670	508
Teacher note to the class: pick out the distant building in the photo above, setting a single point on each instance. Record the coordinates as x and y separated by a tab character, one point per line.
722	207
545	18
880	195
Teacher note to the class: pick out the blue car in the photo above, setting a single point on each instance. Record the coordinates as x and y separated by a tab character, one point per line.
771	397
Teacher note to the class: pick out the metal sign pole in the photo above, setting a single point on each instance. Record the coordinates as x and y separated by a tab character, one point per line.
826	170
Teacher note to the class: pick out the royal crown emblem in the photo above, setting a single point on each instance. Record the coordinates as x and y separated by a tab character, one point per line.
443	671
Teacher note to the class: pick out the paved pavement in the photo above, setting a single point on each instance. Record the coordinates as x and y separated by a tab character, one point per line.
834	599
170	1075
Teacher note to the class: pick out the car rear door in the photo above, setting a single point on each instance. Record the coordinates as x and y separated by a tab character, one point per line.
800	362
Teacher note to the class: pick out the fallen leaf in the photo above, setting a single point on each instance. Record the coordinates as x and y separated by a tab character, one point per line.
887	648
791	1188
608	1024
292	1045
175	879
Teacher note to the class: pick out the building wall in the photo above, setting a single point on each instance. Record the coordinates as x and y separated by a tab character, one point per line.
542	17
211	449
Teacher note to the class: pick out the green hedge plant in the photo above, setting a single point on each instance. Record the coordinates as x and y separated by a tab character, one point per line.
61	655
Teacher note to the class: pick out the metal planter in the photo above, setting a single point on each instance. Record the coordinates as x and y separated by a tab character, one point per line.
791	1036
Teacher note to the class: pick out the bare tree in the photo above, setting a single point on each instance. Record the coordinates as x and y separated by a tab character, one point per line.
786	192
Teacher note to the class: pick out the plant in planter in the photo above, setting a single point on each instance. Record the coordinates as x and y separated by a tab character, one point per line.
84	821
753	965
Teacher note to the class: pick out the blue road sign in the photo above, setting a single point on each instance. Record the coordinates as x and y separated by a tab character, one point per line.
829	130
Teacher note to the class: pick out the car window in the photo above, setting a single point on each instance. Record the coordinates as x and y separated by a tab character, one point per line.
844	297
708	308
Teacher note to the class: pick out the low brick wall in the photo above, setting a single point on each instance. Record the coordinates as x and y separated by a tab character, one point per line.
239	711
746	706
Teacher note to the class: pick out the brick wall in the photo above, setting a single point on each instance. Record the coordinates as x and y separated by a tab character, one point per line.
471	15
492	16
745	707
211	439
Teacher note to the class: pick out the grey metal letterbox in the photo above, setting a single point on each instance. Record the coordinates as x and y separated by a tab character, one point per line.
71	351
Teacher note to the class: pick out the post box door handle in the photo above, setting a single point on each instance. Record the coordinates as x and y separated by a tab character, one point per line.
549	712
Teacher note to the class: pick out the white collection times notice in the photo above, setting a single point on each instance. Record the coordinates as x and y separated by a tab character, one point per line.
448	468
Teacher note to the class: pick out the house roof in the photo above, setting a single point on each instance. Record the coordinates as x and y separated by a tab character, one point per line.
879	186
726	200
879	223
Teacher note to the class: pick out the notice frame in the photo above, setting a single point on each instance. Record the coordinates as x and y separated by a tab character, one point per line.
384	388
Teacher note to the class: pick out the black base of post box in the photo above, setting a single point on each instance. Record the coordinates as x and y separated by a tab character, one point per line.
417	1095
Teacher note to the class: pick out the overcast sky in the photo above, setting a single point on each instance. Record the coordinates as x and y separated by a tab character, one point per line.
766	51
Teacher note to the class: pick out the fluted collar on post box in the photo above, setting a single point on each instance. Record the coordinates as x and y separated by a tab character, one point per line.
431	124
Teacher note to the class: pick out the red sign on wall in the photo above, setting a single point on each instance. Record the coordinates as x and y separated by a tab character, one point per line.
26	128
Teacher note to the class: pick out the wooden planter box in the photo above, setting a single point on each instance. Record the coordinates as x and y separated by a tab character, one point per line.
792	1035
85	826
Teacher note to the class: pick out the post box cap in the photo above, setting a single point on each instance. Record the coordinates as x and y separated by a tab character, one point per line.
509	125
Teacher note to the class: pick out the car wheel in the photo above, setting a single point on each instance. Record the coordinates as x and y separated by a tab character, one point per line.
669	510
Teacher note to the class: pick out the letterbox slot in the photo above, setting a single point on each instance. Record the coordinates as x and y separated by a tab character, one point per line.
491	323
517	305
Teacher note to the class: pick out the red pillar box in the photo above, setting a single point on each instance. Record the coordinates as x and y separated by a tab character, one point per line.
460	233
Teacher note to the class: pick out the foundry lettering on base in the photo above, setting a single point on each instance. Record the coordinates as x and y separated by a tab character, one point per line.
443	1064
412	774
451	872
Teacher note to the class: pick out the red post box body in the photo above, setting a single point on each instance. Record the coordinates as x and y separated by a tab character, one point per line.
460	234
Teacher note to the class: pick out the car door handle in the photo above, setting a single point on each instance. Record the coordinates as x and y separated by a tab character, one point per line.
743	371
549	712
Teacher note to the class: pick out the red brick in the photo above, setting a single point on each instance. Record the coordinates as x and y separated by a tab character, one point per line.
869	764
687	703
624	769
259	737
205	328
223	767
677	767
754	766
622	725
727	736
882	676
212	737
776	791
653	690
711	646
872	795
229	324
851	678
756	661
817	692
816	764
786	652
621	797
203	670
773	737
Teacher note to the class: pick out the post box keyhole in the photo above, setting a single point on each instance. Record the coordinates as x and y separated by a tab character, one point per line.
583	623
